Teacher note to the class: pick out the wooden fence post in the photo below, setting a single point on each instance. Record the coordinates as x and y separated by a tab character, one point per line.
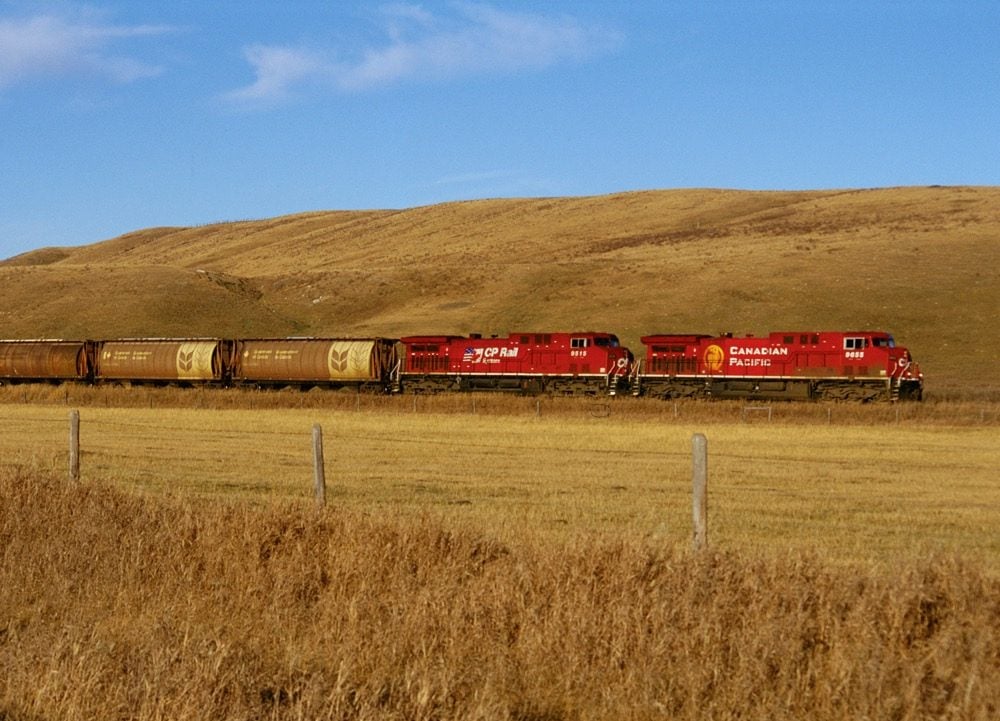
699	453
319	472
74	445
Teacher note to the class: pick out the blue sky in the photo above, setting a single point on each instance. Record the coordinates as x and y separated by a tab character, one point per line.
117	115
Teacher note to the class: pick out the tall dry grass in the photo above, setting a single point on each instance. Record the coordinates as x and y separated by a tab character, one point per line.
864	488
120	606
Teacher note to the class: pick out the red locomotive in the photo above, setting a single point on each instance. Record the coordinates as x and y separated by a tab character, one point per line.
584	363
859	366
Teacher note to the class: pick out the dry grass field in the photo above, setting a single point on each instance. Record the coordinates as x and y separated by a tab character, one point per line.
496	565
848	490
923	263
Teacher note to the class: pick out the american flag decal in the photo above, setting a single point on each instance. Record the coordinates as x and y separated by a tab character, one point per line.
469	355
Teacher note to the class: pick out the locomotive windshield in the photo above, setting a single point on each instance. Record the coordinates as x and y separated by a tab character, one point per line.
885	342
606	342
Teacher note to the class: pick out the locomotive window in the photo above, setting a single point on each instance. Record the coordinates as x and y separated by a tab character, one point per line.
788	339
578	343
854	343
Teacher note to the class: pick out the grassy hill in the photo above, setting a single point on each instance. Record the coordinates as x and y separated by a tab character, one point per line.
923	263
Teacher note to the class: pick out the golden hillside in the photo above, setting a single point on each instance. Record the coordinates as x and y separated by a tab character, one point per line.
923	263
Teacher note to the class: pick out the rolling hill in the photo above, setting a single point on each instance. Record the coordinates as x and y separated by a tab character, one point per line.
921	262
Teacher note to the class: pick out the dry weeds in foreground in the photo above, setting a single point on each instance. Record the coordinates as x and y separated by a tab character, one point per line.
117	606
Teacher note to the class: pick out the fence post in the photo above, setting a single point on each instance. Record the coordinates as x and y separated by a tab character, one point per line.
74	445
699	454
319	472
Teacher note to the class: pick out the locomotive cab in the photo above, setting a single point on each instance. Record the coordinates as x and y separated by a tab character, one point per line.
877	349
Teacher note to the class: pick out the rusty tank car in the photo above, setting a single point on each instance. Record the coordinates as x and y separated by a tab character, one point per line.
31	361
185	361
364	363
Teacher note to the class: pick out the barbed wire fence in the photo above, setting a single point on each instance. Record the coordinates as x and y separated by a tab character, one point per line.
137	447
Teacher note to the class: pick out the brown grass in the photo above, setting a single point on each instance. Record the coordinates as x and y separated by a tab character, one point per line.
920	262
854	488
958	409
119	606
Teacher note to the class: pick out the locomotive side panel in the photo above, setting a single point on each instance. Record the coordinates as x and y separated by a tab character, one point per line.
584	362
861	365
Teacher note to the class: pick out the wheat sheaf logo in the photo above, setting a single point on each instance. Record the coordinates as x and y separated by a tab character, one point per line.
185	361
360	355
338	360
194	360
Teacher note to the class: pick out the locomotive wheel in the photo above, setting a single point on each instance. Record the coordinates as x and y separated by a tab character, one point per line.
533	387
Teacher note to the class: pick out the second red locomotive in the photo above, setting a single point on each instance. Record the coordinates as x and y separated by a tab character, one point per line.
837	365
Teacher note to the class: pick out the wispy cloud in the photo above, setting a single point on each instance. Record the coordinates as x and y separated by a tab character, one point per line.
58	45
474	177
473	39
279	69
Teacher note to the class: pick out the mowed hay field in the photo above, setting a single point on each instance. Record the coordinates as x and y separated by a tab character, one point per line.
510	565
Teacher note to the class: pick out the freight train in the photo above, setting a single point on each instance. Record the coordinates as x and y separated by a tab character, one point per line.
829	365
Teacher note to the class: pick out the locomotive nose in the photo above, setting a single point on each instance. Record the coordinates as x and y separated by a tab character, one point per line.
625	360
911	369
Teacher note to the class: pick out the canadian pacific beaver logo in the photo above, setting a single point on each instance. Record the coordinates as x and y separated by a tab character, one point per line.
714	357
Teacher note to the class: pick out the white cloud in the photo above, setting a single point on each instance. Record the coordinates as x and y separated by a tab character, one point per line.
53	45
278	70
475	39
